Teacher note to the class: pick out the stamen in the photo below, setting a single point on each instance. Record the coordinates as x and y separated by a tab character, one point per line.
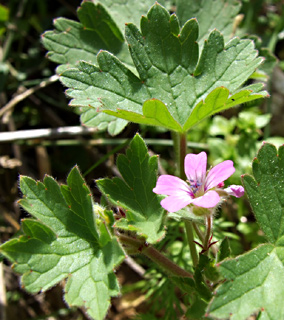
194	184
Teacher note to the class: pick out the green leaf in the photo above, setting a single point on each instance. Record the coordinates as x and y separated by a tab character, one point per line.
201	286
253	280
197	309
37	230
72	41
65	242
4	14
224	250
4	17
154	113
187	285
170	70
218	100
184	215
96	17
101	27
253	283
134	194
222	126
265	190
129	10
103	121
270	61
209	268
217	14
205	269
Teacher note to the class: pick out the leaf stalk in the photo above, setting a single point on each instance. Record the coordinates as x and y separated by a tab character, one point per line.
153	254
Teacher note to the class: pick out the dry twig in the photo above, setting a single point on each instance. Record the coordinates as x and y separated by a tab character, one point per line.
12	103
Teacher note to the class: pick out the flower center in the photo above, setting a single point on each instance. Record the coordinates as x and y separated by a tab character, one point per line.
195	185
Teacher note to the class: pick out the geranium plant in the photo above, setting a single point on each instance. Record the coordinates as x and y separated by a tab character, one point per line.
173	72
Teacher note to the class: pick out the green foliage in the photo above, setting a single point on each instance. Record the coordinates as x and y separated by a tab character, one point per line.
165	58
221	17
101	27
197	309
201	287
165	298
253	280
265	190
134	194
237	139
254	283
102	121
154	113
224	250
63	241
169	68
72	41
4	16
185	284
184	215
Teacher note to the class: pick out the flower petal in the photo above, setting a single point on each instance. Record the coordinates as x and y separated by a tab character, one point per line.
171	185
236	191
195	167
219	173
209	200
175	203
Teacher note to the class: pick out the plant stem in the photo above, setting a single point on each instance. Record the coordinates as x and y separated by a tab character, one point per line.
130	241
198	232
190	238
165	263
181	155
142	247
208	232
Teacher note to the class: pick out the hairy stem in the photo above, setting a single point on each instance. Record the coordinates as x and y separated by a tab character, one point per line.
198	232
190	239
181	155
208	221
165	263
142	247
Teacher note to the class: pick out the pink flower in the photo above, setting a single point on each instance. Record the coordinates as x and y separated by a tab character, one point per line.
201	189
